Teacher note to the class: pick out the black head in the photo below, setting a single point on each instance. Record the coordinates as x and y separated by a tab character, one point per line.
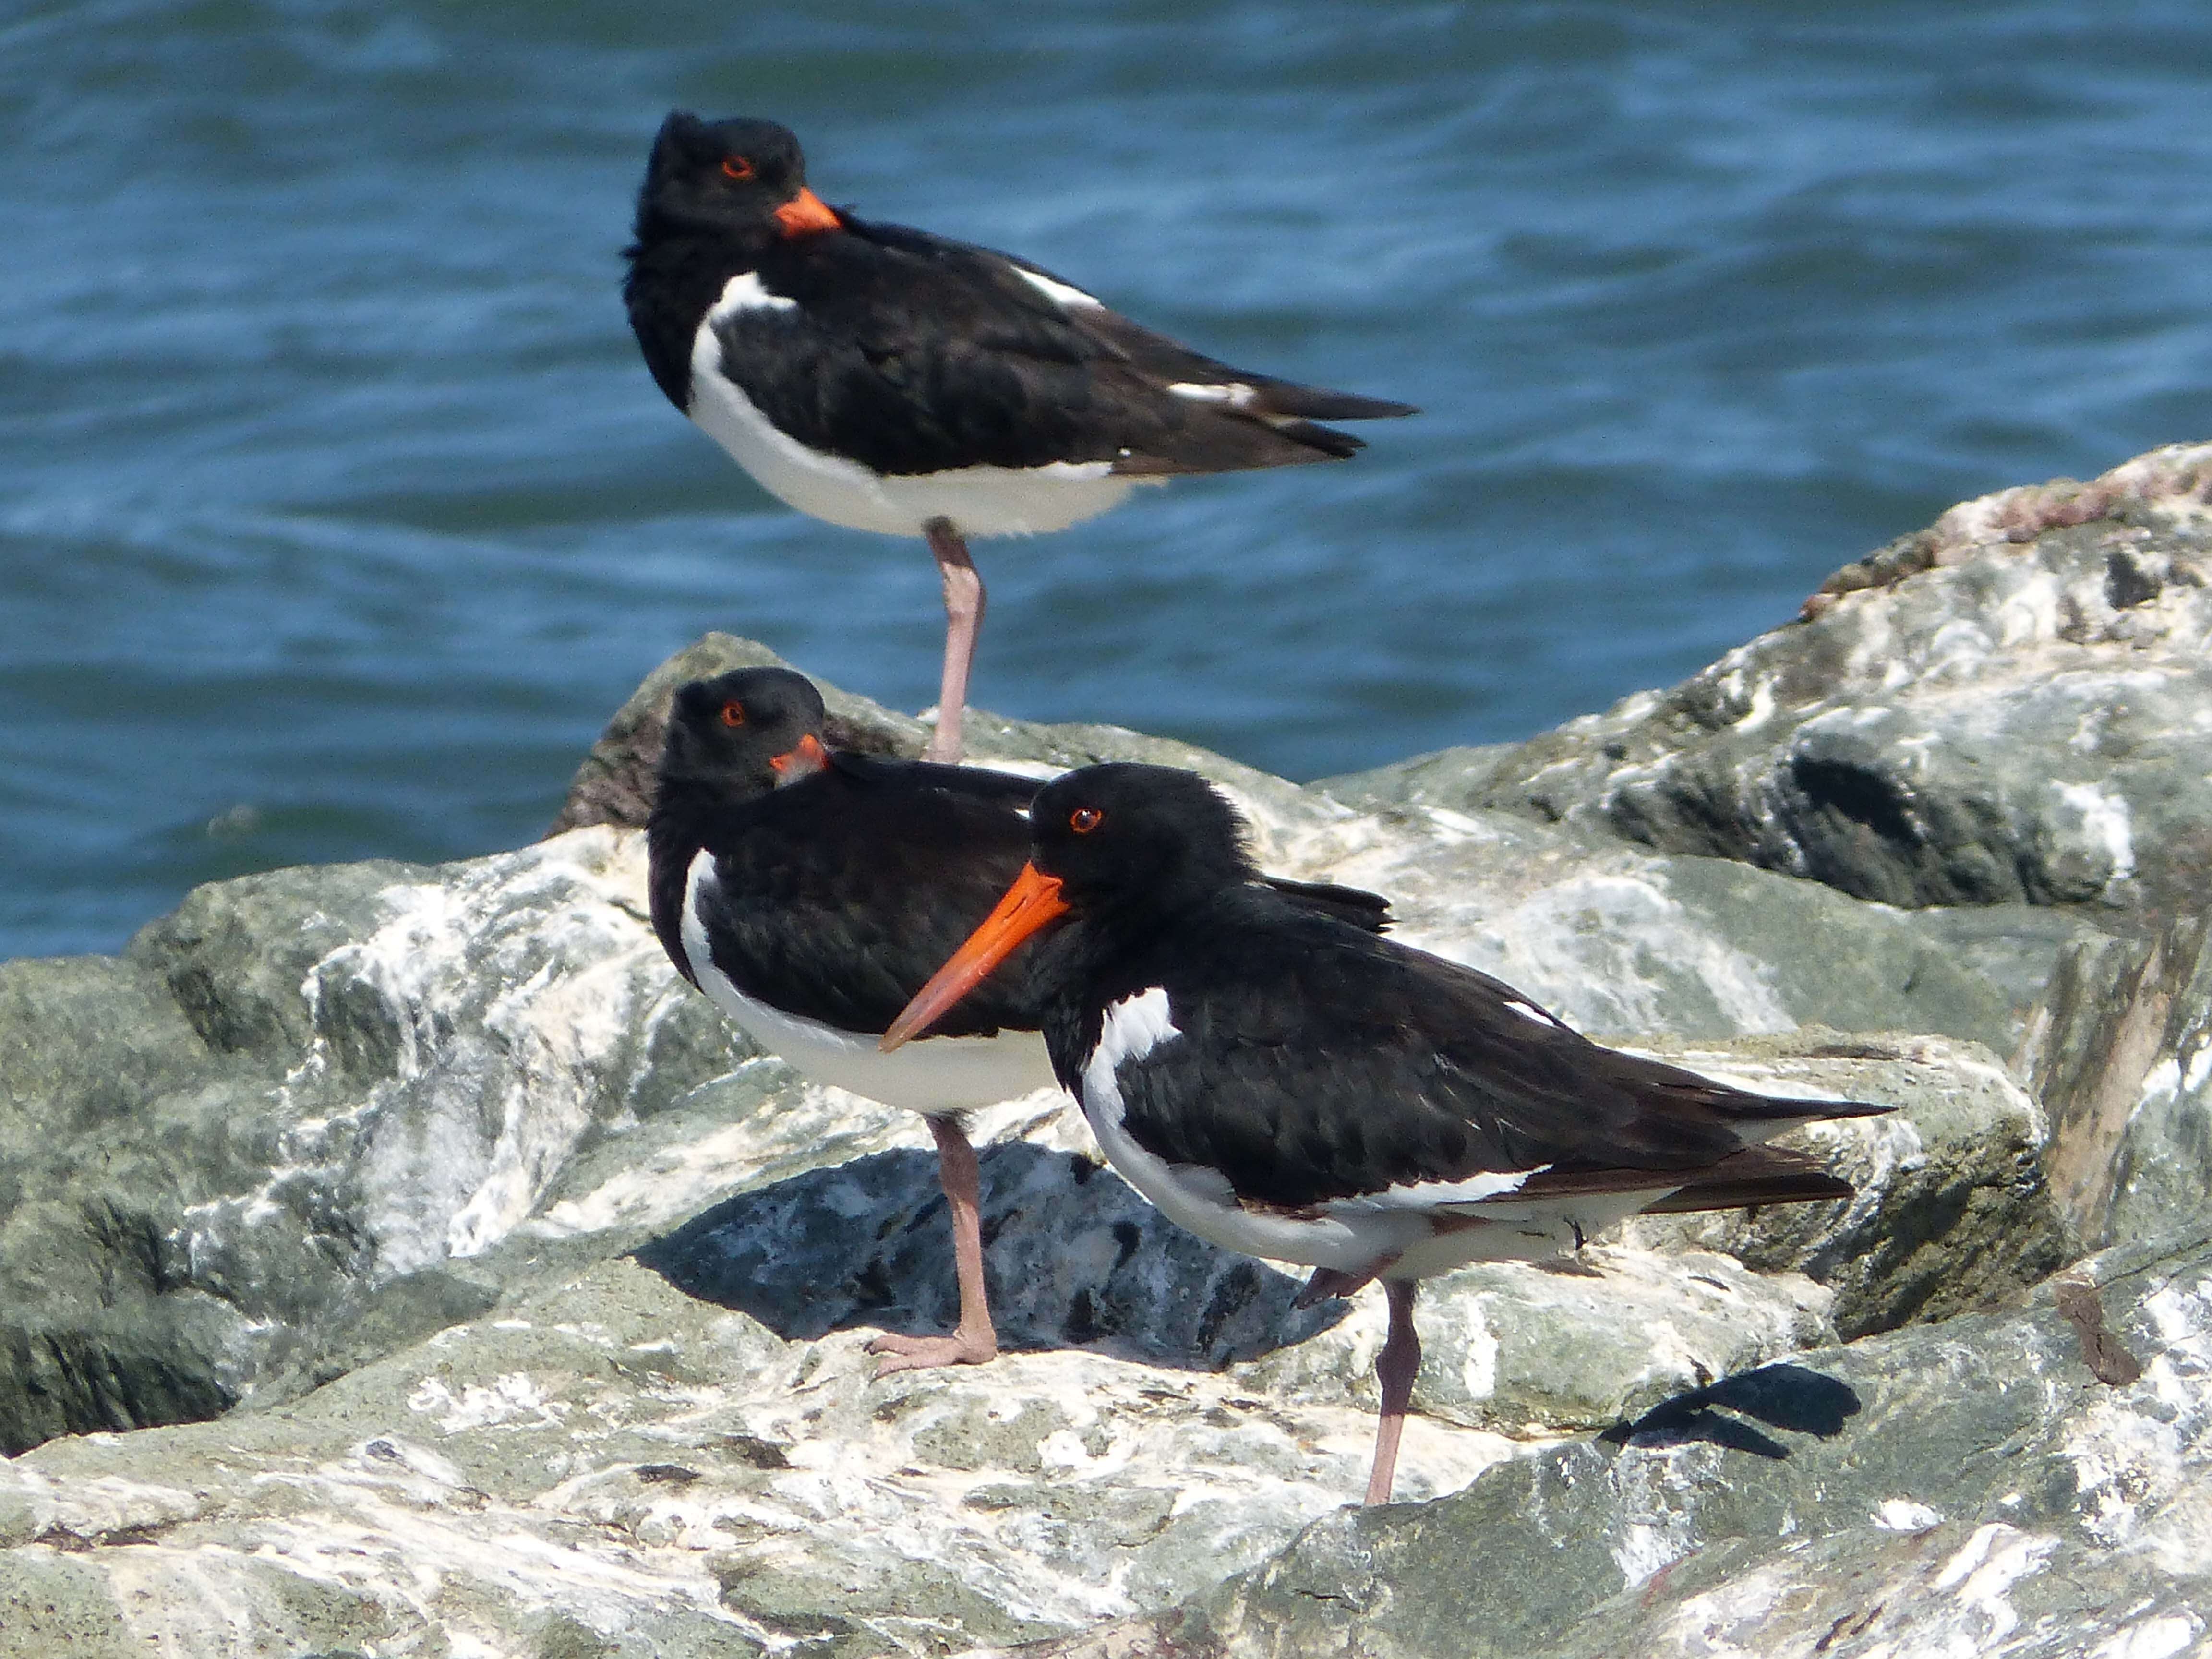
742	733
742	176
1131	838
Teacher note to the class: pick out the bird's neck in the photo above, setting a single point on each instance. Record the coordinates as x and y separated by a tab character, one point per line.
676	275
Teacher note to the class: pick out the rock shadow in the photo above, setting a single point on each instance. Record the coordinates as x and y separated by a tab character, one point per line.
1072	1257
1793	1397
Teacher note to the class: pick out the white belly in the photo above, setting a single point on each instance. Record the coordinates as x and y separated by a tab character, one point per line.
980	500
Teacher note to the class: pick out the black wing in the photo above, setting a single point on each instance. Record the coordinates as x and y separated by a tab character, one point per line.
1316	1062
1369	912
911	354
838	897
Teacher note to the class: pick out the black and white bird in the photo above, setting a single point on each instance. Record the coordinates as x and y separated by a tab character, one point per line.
887	380
1293	1088
810	893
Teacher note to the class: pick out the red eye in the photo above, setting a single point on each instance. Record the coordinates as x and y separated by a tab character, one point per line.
733	714
737	167
1084	819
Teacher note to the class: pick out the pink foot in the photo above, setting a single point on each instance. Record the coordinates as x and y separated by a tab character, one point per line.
921	1353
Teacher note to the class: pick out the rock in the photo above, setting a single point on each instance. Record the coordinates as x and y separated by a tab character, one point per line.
1953	1212
594	1377
2120	1048
533	1301
1616	940
1966	1487
2008	707
297	1122
1534	1349
643	1469
275	1129
614	785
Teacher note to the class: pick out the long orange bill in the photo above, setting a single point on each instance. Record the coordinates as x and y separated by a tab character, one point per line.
803	762
805	214
1031	902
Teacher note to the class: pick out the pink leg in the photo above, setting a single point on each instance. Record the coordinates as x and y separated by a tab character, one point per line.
973	1342
963	621
1395	1369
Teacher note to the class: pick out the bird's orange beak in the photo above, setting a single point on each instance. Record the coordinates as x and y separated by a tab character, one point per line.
806	214
1031	902
803	762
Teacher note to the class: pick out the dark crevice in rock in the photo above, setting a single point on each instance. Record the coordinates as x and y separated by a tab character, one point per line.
838	1247
1857	793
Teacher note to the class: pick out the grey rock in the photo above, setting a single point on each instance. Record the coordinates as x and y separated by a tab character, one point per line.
263	1144
1965	1487
608	1459
299	1120
1076	1258
1618	940
666	1437
1953	1214
1532	1349
536	1300
2120	1049
614	784
2007	708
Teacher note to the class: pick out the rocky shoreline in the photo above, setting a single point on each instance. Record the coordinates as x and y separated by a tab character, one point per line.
401	1260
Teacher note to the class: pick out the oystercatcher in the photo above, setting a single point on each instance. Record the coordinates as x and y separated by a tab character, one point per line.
1289	1087
810	893
887	380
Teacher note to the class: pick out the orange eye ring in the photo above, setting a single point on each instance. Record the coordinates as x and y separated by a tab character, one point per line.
1084	819
737	167
733	714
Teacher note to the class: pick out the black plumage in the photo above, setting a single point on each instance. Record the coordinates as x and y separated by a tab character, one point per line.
887	380
810	894
838	892
911	354
1317	1061
1289	1086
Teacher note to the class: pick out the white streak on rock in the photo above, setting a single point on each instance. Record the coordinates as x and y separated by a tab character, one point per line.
2107	824
1982	1575
1904	1515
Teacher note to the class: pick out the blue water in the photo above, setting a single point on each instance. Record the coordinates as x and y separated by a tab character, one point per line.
337	511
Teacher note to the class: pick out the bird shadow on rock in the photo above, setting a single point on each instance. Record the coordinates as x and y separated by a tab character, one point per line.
1793	1397
1072	1257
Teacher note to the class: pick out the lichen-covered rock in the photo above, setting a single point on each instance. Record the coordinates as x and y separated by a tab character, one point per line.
666	1438
2120	1049
1535	1349
648	1473
1963	1488
300	1120
2013	708
260	1146
1953	1212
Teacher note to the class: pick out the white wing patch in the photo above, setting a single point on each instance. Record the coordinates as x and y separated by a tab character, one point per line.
1474	1189
1529	1010
1073	298
745	292
1235	393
